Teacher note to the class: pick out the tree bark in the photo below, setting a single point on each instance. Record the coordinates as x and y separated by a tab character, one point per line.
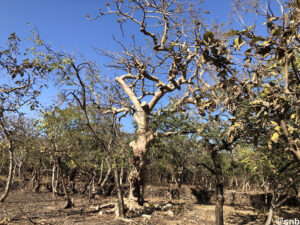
14	171
219	203
10	173
294	145
101	172
270	215
219	189
3	163
54	181
92	186
69	203
36	179
136	177
108	173
121	208
122	172
19	172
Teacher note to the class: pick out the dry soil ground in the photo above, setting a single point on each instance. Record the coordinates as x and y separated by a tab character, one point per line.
31	208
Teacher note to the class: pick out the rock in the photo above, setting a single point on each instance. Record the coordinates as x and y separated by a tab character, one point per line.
170	213
146	216
167	207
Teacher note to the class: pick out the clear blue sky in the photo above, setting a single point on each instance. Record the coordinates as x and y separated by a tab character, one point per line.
60	22
63	24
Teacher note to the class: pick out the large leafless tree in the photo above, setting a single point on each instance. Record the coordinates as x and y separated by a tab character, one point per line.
163	58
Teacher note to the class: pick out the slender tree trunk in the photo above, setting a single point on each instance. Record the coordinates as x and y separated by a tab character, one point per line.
101	172
122	172
219	203
69	203
14	171
19	171
91	186
36	178
10	173
1	167
270	215
93	183
121	208
219	189
120	212
54	181
71	178
107	174
3	163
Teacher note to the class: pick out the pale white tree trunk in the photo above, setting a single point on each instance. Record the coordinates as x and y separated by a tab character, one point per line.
108	173
53	180
270	215
10	174
140	148
101	172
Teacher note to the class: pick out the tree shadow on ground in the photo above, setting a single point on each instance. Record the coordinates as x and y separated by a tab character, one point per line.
289	213
203	196
244	218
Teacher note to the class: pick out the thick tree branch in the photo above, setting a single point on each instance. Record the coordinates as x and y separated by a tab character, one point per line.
129	92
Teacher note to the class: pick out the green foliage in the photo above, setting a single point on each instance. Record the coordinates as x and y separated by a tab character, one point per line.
65	128
175	154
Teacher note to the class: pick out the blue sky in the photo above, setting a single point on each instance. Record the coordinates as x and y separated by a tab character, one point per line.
60	22
63	24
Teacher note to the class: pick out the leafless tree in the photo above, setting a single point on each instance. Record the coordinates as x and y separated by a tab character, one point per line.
163	59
